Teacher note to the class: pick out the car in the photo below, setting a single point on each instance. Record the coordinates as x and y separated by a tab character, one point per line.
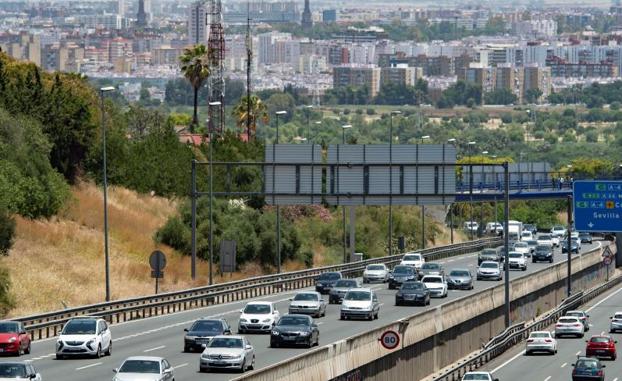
201	332
601	346
523	248
517	261
588	369
295	330
360	303
616	322
494	228
376	273
471	227
308	302
413	292
489	255
258	317
558	230
84	336
478	376
540	341
531	228
569	325
489	270
545	240
532	246
401	274
19	370
144	368
583	316
574	248
526	235
326	281
437	285
460	279
431	268
543	253
13	338
227	352
415	260
339	290
585	237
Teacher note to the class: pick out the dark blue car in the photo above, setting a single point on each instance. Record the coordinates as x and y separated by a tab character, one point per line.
588	369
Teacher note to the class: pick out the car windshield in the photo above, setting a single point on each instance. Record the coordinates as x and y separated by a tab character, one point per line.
459	273
207	326
532	242
412	286
515	255
430	266
80	327
413	257
12	371
520	244
257	309
476	377
568	320
544	238
587	364
329	276
584	235
489	265
575	313
306	296
600	339
543	248
489	252
140	366
358	295
617	316
375	267
540	335
225	342
432	279
294	320
9	327
346	283
402	270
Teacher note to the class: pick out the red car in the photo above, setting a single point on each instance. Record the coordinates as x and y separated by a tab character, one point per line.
13	338
601	346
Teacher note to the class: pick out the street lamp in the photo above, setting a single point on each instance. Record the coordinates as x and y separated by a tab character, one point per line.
471	145
345	244
278	208
451	141
210	136
394	112
424	137
102	91
300	139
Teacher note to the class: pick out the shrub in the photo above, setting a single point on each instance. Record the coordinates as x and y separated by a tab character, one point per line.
7	231
6	299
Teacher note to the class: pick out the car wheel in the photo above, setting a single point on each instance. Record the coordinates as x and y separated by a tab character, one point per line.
243	366
310	343
60	357
109	350
551	260
27	351
274	345
533	261
390	286
203	370
342	317
527	353
581	335
241	331
98	354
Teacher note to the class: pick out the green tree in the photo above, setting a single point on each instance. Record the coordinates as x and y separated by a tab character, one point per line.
500	97
7	231
281	102
248	121
195	66
533	95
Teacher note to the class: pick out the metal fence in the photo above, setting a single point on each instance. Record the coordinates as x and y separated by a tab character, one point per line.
50	324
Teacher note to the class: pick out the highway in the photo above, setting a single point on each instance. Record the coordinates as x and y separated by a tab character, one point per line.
163	335
514	365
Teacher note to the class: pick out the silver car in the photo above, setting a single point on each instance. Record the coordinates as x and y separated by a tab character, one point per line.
360	303
569	325
23	370
616	322
308	302
227	352
540	341
489	270
376	273
144	368
340	289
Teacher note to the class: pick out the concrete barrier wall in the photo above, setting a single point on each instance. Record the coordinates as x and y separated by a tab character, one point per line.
436	338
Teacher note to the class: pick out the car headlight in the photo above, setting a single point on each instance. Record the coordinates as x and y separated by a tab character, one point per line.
12	339
275	333
190	337
243	320
266	320
92	341
304	333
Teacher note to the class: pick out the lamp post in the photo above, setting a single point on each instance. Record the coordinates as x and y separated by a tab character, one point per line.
278	208
300	139
471	145
345	243
451	213
308	114
394	112
423	138
210	136
103	91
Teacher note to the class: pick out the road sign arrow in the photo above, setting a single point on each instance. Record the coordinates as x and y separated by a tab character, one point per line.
591	225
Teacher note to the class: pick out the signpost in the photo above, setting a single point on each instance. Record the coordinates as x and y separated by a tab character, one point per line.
607	259
598	206
390	340
157	261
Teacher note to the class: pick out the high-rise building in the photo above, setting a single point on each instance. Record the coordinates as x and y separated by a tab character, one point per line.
307	19
329	16
197	24
357	76
537	77
402	75
141	16
480	75
509	77
121	7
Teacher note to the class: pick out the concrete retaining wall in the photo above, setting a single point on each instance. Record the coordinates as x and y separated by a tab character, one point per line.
438	337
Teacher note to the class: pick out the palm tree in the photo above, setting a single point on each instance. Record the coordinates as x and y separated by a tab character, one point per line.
258	112
195	65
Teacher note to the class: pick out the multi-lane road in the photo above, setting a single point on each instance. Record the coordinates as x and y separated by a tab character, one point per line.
163	335
514	365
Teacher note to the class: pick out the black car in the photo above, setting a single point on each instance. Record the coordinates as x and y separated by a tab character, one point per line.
460	279
326	281
295	330
413	292
202	331
401	274
339	290
431	268
585	237
543	253
588	369
531	228
574	246
489	255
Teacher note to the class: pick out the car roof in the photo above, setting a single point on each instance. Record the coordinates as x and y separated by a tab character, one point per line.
431	276
144	358
575	311
496	263
297	315
459	269
16	362
569	317
363	289
540	332
308	292
210	319
260	302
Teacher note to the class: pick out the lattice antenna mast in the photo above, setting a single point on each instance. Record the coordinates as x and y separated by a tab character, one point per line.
249	61
216	45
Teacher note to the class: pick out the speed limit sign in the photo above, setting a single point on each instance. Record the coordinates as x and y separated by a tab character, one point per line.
390	339
607	261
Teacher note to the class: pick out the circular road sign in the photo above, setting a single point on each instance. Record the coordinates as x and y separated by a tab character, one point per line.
390	339
157	260
607	261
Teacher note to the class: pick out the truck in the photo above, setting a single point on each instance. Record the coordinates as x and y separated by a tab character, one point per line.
515	230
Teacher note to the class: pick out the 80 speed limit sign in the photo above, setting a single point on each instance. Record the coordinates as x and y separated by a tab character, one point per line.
390	339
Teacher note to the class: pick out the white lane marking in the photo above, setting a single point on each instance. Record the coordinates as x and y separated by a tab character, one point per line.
521	353
564	364
180	365
578	353
320	323
602	333
604	300
89	366
154	349
548	378
615	379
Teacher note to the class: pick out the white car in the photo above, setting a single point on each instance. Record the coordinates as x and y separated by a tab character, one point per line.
616	322
478	376
523	248
517	260
471	226
360	303
436	284
22	370
84	336
144	368
376	273
545	240
489	270
227	352
258	317
569	325
526	236
308	302
494	228
541	341
415	260
558	231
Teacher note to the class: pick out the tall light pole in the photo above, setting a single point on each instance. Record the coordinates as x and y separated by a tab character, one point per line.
394	112
343	208
210	135
278	208
481	205
423	139
103	91
308	114
471	145
451	213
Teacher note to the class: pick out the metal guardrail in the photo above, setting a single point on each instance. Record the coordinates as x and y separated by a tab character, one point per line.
50	324
514	335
